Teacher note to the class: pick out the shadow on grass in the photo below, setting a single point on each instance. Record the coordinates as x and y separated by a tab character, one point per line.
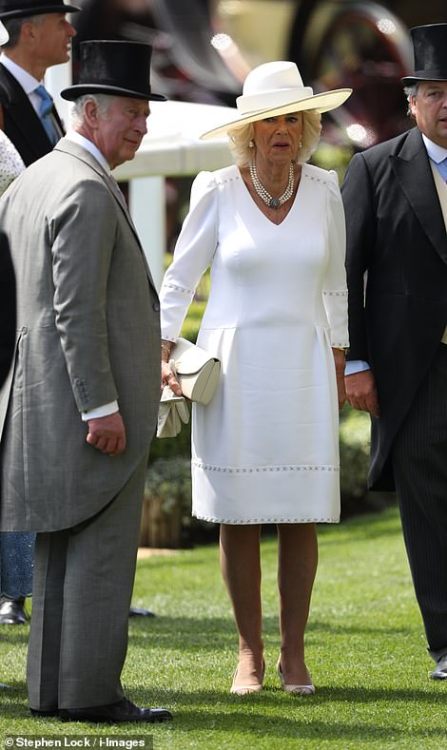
206	711
190	634
299	717
9	634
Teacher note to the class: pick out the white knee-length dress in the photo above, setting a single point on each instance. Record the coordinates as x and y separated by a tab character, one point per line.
265	449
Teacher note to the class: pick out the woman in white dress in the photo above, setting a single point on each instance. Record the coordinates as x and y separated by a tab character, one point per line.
265	450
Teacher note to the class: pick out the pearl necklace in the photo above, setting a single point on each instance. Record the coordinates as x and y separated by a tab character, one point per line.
262	192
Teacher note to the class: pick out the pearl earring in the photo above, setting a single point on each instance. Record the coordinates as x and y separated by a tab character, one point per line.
251	144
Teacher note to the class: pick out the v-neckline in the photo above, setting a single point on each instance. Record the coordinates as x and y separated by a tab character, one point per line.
256	207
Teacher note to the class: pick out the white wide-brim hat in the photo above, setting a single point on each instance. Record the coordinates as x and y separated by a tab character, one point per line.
4	36
276	88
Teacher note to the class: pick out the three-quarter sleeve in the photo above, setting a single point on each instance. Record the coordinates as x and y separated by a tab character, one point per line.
335	293
193	254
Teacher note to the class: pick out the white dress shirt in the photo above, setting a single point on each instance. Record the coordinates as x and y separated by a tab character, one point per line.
28	83
435	152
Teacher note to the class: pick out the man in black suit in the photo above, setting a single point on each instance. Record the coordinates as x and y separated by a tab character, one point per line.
39	37
395	197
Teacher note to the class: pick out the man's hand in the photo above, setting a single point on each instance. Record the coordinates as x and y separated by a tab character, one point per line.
107	434
168	378
361	392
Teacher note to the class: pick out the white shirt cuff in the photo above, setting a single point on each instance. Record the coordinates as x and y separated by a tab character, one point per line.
356	365
100	411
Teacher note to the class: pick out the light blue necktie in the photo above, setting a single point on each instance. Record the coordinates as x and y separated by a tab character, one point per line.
45	108
442	169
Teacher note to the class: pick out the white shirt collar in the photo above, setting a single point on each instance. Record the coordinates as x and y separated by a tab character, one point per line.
436	153
89	146
26	80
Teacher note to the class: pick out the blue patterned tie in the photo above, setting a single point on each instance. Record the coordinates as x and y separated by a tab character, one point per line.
45	108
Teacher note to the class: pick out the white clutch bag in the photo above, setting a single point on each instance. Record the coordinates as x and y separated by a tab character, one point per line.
197	371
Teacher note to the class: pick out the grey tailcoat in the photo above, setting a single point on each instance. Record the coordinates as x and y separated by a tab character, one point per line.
88	333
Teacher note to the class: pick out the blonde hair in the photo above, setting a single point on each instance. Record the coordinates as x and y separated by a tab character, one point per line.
241	137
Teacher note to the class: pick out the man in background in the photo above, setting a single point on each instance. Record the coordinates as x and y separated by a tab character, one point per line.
395	196
39	37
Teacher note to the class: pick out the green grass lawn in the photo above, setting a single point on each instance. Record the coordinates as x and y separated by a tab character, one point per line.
365	648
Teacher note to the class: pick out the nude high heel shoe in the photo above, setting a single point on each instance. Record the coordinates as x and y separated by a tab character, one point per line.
295	689
253	687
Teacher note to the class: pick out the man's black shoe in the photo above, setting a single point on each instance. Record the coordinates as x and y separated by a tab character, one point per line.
123	710
140	612
12	611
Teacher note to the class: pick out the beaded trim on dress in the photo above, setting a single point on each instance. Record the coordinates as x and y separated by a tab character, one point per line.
234	522
260	469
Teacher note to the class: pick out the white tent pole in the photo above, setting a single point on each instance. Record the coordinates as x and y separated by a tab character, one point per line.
147	206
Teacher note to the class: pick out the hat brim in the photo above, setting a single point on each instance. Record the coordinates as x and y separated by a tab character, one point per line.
29	12
81	89
4	36
410	80
323	102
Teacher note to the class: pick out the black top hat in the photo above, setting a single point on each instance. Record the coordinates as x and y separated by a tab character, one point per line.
430	53
25	8
116	68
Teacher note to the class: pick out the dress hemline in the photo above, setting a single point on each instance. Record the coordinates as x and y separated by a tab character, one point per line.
252	521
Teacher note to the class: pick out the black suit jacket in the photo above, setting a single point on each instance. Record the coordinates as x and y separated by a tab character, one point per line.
395	233
21	122
7	308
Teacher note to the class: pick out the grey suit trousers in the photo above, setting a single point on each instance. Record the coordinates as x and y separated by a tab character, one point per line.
83	579
420	470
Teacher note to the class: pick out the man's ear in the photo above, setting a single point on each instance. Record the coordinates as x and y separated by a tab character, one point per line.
91	113
28	31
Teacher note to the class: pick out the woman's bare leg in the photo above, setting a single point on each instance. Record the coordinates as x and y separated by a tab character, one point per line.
297	566
241	570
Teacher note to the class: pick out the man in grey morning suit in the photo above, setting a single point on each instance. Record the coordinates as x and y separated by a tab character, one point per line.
40	38
395	197
83	401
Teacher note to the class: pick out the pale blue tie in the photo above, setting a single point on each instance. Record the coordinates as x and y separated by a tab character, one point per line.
45	108
442	169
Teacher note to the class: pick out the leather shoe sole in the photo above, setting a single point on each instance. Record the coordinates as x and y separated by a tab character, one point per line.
122	711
